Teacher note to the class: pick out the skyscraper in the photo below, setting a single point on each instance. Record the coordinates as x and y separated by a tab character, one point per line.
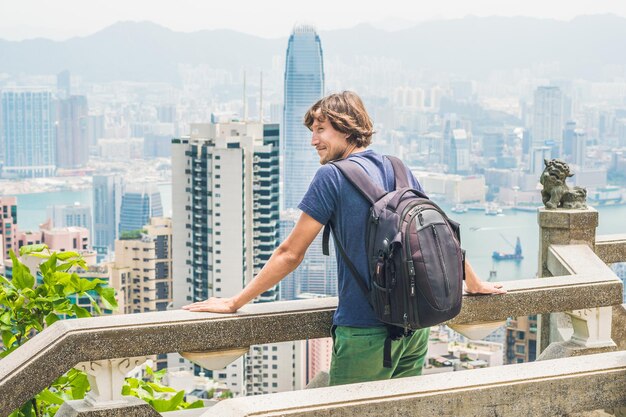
304	85
71	215
72	144
140	202
107	199
225	219
28	133
548	119
460	152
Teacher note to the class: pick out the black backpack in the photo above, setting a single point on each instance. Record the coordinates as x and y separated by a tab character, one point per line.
414	253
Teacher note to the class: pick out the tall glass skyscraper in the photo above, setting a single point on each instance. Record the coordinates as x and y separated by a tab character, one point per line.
107	199
140	202
304	85
28	133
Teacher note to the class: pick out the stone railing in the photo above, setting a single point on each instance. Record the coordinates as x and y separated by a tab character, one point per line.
582	282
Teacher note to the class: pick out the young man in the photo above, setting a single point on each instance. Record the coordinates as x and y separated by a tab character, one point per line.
341	128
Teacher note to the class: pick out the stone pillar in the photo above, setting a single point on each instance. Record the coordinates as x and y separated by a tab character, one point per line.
561	227
105	399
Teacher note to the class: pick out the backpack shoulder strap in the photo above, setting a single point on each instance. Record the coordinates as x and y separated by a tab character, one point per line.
360	180
399	171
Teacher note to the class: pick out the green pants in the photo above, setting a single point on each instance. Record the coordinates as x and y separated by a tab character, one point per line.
358	355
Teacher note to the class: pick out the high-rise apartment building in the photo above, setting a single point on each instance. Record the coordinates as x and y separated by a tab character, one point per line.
142	270
459	152
8	227
64	84
521	340
140	202
304	85
71	215
547	127
28	134
225	218
574	145
72	143
107	200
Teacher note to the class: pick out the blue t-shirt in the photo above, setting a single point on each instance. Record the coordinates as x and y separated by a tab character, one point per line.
331	197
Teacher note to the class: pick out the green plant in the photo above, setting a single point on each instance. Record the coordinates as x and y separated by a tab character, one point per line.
159	396
29	304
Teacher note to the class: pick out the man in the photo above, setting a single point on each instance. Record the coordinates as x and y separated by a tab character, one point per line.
341	128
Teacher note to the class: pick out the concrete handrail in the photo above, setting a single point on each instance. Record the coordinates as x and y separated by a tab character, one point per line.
35	365
584	383
611	248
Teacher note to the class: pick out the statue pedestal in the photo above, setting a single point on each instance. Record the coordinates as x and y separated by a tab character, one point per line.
561	227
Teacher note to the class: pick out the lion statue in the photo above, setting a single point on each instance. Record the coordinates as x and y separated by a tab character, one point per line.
556	193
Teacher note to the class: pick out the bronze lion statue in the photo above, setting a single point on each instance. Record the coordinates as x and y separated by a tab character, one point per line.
556	193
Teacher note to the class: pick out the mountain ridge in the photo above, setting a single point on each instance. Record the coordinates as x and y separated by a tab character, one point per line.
468	47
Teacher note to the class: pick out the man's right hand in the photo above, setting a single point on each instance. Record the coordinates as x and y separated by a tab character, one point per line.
213	305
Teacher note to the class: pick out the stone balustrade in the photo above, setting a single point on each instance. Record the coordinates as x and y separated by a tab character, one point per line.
579	281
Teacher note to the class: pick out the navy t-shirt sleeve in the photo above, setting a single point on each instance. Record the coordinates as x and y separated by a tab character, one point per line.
320	200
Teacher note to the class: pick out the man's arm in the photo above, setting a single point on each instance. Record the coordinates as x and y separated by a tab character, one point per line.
284	260
473	284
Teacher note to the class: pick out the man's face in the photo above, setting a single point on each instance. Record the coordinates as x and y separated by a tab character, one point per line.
329	143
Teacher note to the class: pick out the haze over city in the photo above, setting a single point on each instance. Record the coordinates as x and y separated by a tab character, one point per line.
164	143
58	20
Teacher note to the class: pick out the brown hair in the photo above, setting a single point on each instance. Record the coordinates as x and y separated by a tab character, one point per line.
346	114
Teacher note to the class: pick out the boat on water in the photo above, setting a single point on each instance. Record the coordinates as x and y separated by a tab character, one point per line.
606	196
459	208
492	209
515	256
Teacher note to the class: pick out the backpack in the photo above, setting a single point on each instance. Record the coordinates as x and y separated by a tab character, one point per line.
415	260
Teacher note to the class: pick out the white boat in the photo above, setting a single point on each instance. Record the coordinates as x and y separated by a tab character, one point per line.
459	208
492	209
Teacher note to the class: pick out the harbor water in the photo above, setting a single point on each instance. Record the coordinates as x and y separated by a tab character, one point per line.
481	235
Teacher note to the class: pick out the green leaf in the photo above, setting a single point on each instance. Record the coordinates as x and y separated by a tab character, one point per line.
80	385
132	382
162	405
5	281
8	338
196	404
66	266
64	256
6	317
107	295
28	249
21	275
51	318
60	277
85	284
160	388
80	312
51	263
49	397
27	410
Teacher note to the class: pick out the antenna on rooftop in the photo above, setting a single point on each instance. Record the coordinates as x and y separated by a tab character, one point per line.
245	103
261	100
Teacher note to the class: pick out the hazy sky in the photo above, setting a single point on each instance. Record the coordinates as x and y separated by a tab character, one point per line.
60	19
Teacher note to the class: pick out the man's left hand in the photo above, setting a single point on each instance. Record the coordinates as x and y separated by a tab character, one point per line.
213	305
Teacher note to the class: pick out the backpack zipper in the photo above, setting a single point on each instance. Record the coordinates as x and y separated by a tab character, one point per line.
441	262
409	257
